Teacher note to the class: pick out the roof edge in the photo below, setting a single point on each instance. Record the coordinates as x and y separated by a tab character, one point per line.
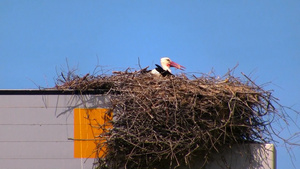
49	92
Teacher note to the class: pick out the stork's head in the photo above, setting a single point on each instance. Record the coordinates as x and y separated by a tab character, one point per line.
166	63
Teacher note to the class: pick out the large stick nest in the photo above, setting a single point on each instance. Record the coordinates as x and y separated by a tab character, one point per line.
166	121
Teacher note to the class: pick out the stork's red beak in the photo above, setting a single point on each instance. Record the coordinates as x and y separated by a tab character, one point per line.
176	65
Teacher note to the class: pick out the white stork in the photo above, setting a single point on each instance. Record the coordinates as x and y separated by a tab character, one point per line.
164	69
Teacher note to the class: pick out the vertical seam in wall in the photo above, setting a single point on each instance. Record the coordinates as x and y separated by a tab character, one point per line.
80	134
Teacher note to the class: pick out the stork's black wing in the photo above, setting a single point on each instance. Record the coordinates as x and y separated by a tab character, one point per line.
162	71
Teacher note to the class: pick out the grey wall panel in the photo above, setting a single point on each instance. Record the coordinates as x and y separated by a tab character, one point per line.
39	132
34	130
36	116
45	164
36	150
52	101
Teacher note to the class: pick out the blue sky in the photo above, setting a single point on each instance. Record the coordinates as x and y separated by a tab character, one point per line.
263	37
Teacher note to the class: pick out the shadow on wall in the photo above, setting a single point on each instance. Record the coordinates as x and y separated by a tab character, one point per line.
247	156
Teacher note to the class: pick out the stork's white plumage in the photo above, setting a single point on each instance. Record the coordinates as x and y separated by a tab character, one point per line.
165	70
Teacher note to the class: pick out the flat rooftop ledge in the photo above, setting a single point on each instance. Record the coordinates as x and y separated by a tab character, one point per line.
49	92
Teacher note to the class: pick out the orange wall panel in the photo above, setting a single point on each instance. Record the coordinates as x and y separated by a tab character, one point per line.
89	124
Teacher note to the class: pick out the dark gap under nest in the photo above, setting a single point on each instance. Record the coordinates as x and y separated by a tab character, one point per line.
167	121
